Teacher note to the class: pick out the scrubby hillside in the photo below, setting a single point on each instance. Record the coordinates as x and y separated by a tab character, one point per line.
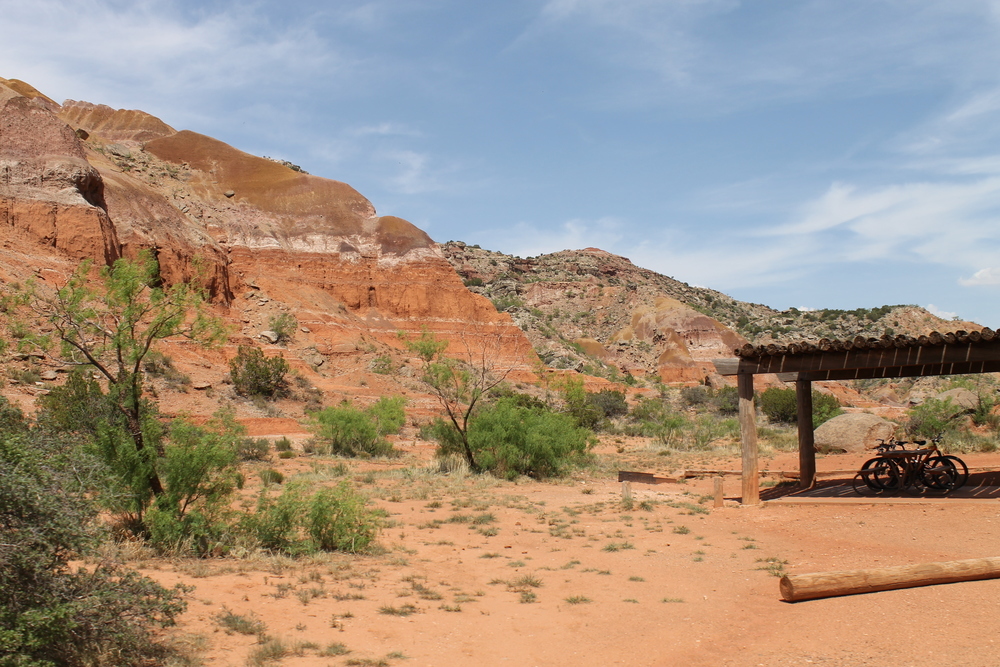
585	309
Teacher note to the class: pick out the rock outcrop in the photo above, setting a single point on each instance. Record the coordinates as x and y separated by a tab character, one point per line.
86	181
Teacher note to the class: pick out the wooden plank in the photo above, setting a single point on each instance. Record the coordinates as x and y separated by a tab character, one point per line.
797	587
748	440
807	447
650	478
717	492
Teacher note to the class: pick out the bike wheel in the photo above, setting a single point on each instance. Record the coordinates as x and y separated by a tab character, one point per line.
963	470
938	472
880	474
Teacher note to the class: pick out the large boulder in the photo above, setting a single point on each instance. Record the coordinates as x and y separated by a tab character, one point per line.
852	432
962	399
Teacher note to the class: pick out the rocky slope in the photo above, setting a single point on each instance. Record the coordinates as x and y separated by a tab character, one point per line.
595	311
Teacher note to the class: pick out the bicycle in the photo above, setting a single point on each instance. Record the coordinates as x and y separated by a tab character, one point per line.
897	468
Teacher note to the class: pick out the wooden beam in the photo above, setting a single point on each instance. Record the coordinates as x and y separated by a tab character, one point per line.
807	447
796	587
928	370
979	357
748	439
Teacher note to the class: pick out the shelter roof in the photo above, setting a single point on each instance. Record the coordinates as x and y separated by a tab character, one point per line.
886	357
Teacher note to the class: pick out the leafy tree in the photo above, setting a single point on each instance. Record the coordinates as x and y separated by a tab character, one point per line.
50	614
254	374
112	328
459	386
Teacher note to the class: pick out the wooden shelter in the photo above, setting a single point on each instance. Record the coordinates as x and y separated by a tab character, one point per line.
858	358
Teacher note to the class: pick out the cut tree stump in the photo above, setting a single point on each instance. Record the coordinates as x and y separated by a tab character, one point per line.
797	587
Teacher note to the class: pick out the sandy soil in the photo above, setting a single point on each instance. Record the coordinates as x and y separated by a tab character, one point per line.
670	581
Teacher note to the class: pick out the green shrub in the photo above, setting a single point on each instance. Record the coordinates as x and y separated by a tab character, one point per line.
932	417
49	613
336	519
779	405
695	396
347	431
509	440
254	374
283	444
611	403
578	405
726	400
284	325
253	449
654	418
387	414
199	471
270	476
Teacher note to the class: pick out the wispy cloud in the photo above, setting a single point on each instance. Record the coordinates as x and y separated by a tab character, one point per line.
988	276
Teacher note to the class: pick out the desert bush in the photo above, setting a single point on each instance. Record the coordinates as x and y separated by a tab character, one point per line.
284	325
726	400
387	414
295	522
253	449
338	520
283	444
254	374
270	476
695	396
347	431
509	440
49	613
779	405
199	470
578	405
157	364
932	417
611	403
654	418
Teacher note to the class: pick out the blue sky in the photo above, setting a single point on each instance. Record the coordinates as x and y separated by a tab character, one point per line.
837	154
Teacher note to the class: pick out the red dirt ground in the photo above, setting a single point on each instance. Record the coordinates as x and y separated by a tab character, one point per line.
659	584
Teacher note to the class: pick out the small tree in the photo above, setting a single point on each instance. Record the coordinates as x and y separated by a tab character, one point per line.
112	329
458	385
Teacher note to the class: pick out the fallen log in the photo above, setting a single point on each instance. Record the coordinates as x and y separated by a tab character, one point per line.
797	587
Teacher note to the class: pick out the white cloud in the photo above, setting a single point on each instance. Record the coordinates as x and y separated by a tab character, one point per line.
943	314
527	239
141	52
990	276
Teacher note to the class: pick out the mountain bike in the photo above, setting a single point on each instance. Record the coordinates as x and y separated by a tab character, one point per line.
897	468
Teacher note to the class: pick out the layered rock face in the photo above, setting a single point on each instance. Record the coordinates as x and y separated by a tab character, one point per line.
87	181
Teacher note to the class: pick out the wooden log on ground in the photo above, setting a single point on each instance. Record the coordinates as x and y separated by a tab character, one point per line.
797	587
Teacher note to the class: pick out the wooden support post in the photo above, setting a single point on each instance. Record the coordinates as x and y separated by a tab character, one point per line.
719	497
748	439
795	587
807	446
